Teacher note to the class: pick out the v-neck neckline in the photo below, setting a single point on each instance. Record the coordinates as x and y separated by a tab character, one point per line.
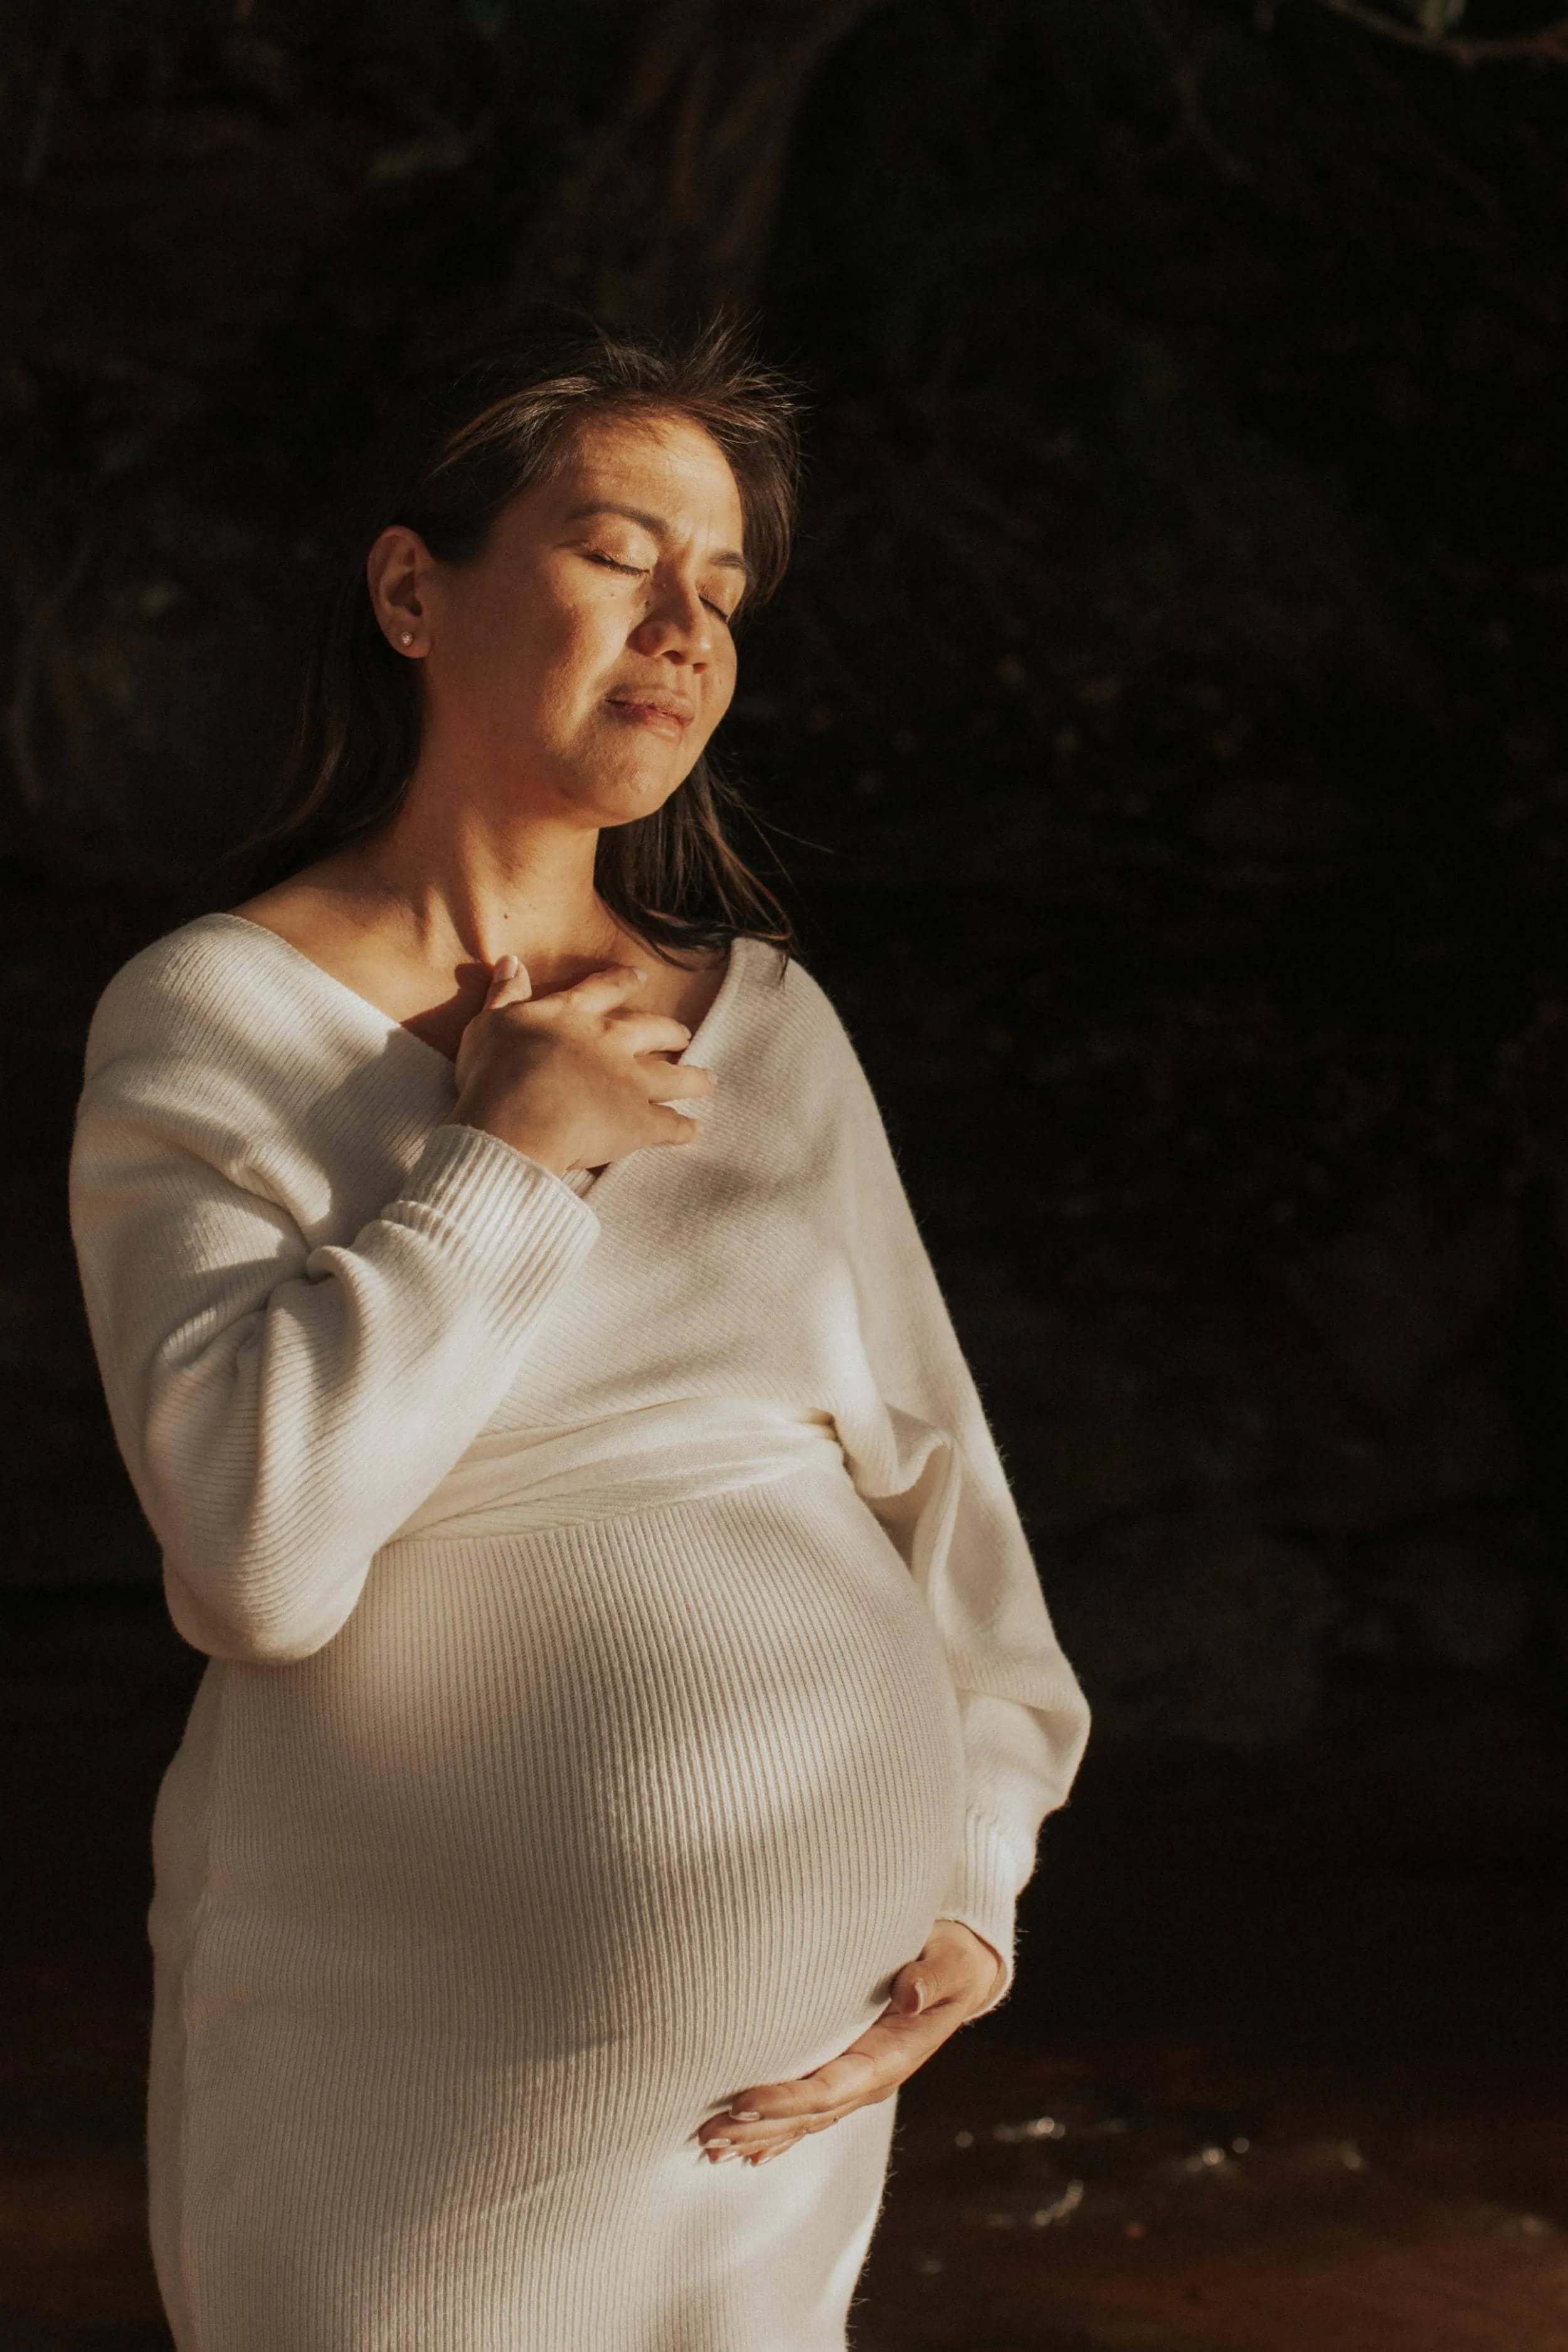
729	987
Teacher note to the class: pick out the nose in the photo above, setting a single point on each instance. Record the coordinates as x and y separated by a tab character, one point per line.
678	626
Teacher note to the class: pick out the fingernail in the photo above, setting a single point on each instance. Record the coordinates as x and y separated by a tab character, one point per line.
505	967
919	1993
746	2115
727	2155
720	2143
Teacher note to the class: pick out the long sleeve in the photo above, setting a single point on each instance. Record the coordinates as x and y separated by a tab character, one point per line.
283	1405
927	1463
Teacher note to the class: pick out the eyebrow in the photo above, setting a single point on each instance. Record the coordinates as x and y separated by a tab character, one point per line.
730	558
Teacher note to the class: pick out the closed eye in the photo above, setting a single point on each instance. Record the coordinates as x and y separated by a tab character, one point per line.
638	571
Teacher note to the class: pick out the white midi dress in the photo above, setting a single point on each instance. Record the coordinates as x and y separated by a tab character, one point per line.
623	1647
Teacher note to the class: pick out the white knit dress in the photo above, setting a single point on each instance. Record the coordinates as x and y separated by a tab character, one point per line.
623	1649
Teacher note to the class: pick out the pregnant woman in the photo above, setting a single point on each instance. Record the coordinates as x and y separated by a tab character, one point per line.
632	1708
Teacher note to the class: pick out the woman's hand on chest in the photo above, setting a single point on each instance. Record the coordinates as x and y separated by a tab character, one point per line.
578	1078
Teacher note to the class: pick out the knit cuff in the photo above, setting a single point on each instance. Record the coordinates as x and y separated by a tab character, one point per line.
511	1221
983	1894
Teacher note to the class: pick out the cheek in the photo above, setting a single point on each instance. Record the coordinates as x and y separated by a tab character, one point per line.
548	686
720	684
530	650
572	652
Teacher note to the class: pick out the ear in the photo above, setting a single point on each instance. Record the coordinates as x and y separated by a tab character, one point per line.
397	573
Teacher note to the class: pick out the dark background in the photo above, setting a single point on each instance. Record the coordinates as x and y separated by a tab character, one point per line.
1164	735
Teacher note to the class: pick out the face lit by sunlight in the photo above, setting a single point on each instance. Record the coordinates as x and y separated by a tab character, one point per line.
583	660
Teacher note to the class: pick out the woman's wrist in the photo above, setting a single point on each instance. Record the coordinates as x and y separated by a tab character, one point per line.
546	1149
1000	1976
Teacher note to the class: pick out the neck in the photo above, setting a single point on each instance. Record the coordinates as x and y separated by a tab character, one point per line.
472	885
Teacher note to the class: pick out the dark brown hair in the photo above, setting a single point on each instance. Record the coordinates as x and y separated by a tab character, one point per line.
471	431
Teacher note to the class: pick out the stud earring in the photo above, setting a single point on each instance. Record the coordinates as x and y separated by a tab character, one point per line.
407	637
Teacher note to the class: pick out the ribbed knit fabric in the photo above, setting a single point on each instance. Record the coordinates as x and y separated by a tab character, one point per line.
499	1853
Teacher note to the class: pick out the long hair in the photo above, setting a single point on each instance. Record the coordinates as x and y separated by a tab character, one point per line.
473	430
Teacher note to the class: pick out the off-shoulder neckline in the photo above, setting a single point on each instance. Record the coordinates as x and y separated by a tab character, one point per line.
741	947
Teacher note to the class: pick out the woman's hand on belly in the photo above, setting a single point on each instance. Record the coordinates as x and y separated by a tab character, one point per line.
933	1996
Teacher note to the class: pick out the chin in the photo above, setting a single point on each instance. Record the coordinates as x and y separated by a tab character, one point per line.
635	790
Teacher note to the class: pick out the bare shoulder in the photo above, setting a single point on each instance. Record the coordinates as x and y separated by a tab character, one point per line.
317	910
353	933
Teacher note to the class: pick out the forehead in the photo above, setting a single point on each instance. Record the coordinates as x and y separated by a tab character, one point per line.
664	464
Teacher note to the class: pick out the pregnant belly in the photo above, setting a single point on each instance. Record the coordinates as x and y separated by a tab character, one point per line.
692	1781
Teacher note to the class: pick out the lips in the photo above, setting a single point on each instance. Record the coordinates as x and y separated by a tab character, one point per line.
666	713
